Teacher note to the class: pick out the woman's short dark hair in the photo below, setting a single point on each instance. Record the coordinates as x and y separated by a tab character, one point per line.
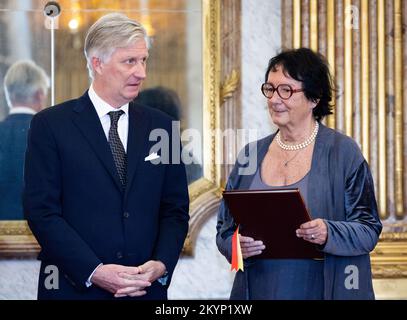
312	70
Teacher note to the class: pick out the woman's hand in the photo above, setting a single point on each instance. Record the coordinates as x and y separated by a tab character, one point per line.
250	247
314	231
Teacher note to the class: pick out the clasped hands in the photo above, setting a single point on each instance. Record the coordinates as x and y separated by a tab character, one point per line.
314	231
128	281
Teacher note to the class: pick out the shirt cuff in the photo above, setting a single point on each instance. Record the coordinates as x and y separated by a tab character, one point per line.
88	283
163	279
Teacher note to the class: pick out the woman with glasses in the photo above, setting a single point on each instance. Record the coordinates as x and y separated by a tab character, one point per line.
335	182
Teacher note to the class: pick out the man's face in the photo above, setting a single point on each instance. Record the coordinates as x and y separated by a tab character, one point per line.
118	80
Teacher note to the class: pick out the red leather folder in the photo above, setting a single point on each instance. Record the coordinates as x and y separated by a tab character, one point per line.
273	216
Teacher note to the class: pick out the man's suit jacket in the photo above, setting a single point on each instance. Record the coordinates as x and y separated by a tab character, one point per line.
77	210
13	142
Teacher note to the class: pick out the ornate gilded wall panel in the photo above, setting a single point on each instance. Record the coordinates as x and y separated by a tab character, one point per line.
365	45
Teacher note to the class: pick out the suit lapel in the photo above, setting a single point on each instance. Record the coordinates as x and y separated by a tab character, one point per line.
139	122
87	121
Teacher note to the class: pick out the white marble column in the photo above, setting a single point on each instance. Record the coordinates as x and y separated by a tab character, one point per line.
18	29
18	279
261	40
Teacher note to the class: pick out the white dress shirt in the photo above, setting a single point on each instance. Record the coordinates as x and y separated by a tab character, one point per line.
103	108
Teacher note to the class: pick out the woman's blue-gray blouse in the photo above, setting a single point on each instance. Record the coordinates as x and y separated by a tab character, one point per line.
283	279
340	191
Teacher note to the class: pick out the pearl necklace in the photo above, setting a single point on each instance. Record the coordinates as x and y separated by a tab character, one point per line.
302	145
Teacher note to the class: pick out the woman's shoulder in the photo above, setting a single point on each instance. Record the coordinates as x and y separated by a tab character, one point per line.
340	140
342	146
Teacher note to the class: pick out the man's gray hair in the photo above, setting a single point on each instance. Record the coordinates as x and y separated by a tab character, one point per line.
22	81
112	31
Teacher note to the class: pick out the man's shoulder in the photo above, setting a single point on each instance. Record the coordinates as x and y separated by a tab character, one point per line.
15	121
3	126
17	117
60	110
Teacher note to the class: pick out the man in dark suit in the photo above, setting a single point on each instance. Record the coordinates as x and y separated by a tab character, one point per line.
110	217
25	87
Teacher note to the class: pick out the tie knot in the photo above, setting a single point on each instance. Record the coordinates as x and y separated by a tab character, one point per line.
114	116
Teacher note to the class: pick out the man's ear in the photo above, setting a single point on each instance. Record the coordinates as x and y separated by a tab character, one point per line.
97	64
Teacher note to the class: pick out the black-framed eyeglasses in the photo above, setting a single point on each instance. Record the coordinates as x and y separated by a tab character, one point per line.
285	91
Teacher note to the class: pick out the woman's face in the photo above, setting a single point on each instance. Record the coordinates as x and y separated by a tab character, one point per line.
292	111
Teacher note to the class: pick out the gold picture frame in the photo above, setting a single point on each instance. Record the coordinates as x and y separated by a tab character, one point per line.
16	239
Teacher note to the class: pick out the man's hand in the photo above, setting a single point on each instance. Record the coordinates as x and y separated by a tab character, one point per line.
250	247
152	270
149	272
314	231
108	278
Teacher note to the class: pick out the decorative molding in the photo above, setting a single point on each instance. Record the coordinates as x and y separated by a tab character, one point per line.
211	87
393	237
229	86
201	210
14	227
16	239
202	192
365	78
387	271
296	24
331	48
399	105
389	258
382	106
231	38
198	188
188	249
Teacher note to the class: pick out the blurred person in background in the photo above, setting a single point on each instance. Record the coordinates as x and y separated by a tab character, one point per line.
26	86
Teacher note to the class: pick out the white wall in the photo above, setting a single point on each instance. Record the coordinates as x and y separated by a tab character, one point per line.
205	276
18	279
